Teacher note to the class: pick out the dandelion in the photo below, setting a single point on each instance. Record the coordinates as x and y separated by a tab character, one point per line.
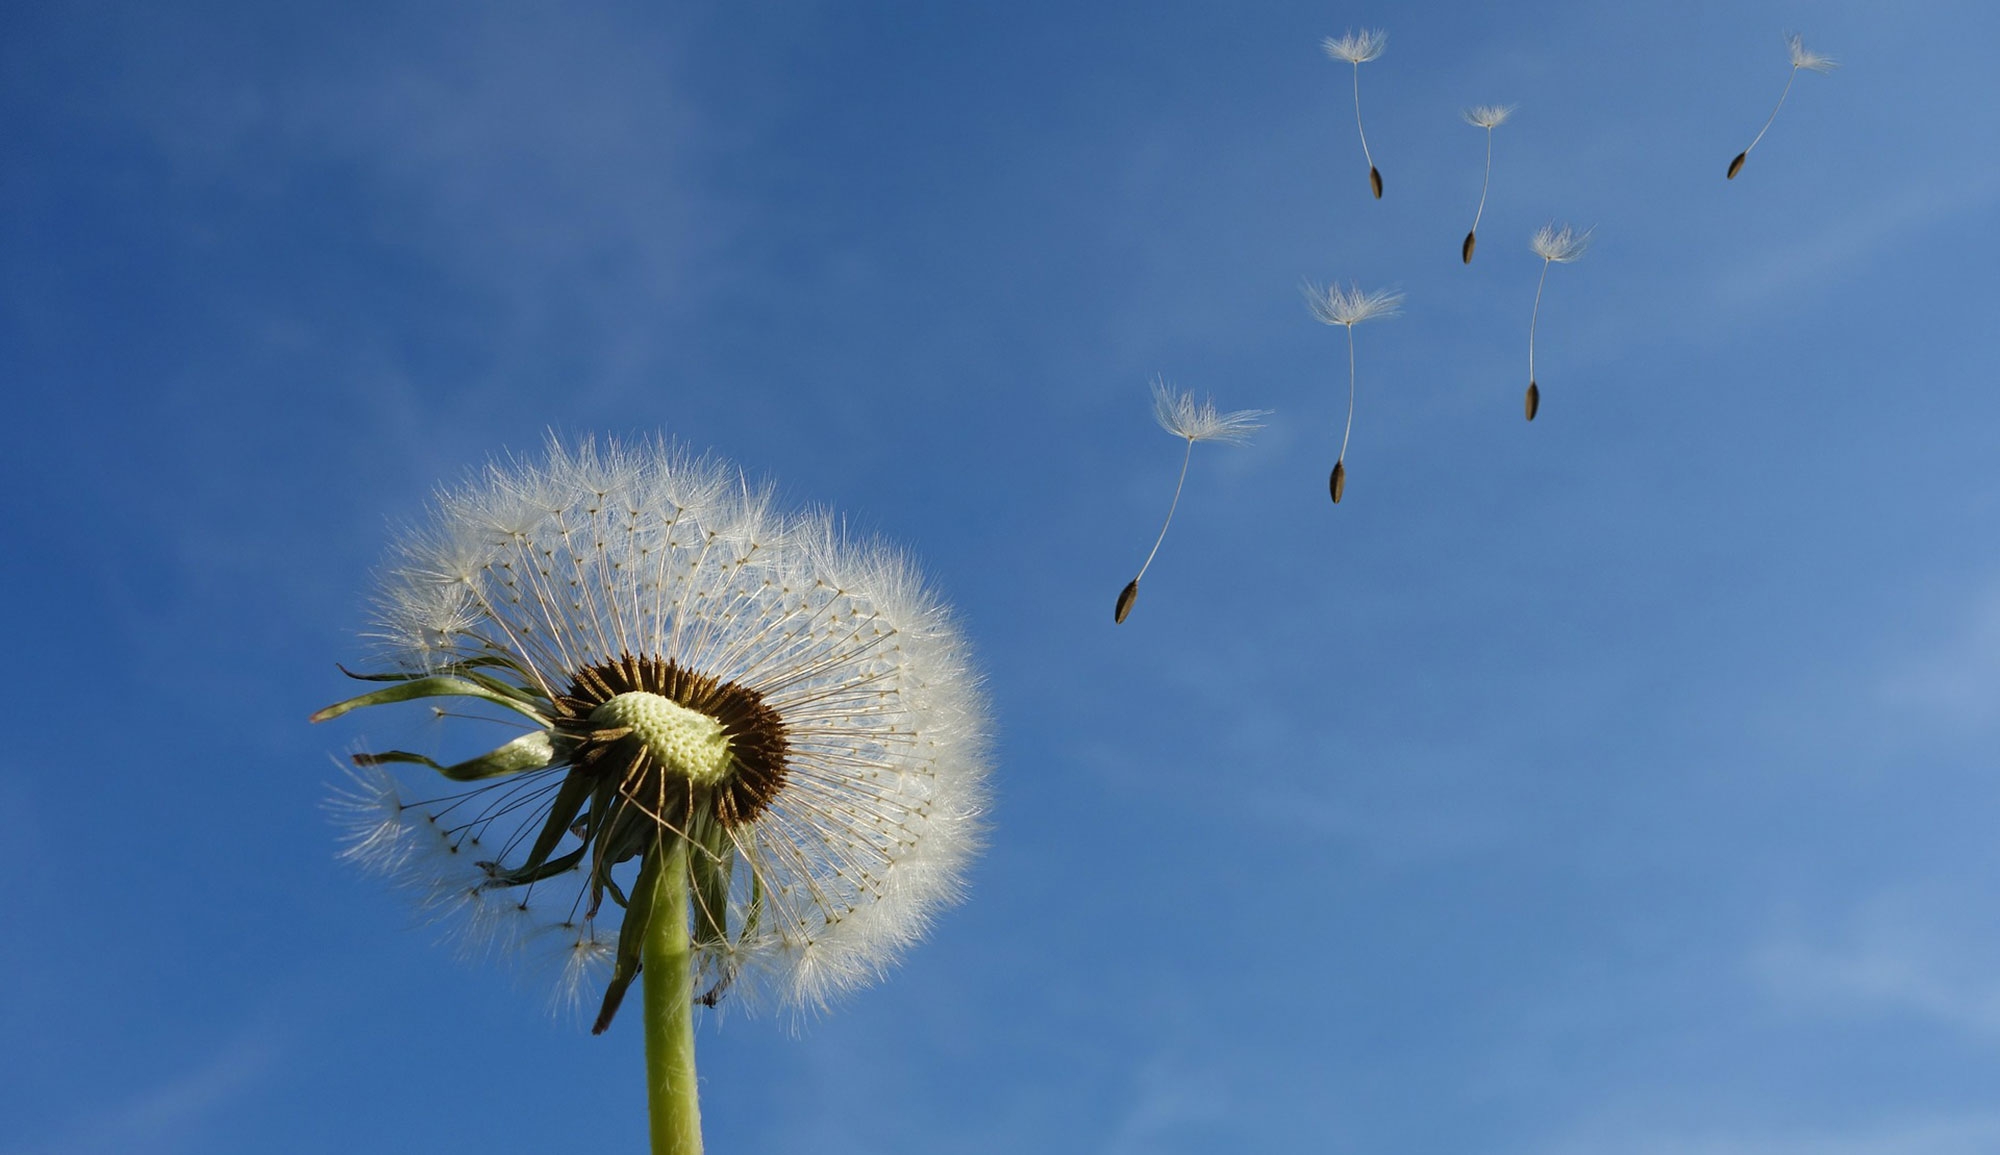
1488	117
1334	305
750	757
1802	58
1179	415
1556	247
1358	48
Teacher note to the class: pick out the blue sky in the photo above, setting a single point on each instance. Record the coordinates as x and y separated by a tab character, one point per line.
1622	781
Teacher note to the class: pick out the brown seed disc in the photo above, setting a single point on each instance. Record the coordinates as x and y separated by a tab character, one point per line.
1337	484
1126	597
757	734
1736	166
1534	400
1375	181
1465	252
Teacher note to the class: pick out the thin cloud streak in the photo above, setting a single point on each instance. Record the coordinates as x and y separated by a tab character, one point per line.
1956	680
172	1116
1903	953
1814	264
1943	1134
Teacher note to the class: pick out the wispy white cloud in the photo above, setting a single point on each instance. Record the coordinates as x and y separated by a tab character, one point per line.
1172	1094
168	1117
1955	678
547	165
1784	269
1941	1134
1904	953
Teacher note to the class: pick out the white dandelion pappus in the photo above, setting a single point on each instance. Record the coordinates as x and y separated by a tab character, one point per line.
1348	307
1806	58
1337	305
1358	48
1803	60
747	735
1179	414
1561	245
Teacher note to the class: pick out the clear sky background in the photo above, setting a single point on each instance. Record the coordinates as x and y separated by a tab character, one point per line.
1620	782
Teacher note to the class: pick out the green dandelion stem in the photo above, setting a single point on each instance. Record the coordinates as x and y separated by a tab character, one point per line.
672	1098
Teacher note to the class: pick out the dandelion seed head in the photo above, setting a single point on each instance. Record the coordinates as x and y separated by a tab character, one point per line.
1348	305
1560	244
1357	47
1806	58
1488	115
1179	414
797	705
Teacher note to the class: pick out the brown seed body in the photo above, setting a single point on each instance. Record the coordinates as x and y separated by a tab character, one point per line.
1736	166
1337	484
1375	181
1126	597
1465	251
1534	401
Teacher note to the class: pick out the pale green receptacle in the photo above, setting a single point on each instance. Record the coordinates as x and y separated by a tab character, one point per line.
688	742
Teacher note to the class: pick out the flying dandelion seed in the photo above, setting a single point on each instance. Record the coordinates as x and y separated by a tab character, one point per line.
1179	415
1358	48
761	742
1556	247
1350	306
1803	58
1488	117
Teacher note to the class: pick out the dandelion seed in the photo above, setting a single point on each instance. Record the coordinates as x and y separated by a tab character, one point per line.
1180	415
755	752
1358	48
1803	59
1556	246
1488	117
1348	307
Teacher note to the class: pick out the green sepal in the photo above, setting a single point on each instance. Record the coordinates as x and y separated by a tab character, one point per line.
562	815
631	937
755	914
593	823
431	686
470	669
400	756
535	872
710	860
446	668
528	752
503	686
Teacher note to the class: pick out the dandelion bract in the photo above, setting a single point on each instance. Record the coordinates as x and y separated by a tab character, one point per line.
1803	60
1358	48
1348	307
750	752
1179	414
